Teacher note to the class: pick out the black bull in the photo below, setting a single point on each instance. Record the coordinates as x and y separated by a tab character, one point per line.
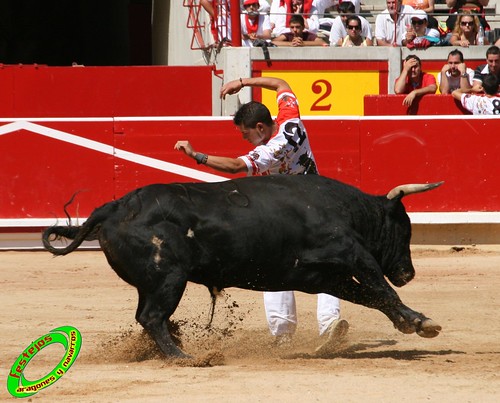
306	233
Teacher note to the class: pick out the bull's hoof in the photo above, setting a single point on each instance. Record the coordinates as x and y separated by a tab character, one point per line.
428	329
405	327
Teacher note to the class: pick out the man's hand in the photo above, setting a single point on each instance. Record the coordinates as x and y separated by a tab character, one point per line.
409	99
462	68
185	147
230	88
408	64
297	41
445	68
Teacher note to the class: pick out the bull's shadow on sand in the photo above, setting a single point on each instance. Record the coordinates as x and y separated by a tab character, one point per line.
362	350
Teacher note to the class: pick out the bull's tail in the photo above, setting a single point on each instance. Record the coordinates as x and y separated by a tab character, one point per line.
87	232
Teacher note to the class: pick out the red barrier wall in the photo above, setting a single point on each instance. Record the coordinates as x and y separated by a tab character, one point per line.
41	91
105	158
383	105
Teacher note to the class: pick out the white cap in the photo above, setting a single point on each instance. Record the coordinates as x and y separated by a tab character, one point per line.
419	14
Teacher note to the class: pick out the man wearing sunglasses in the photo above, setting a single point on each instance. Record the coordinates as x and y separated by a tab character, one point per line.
419	35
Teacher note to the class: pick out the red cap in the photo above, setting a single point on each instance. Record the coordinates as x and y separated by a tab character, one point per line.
248	2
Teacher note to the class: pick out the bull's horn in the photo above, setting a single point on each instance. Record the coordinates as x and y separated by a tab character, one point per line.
412	188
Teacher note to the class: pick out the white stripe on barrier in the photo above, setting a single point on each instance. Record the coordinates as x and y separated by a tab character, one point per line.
110	150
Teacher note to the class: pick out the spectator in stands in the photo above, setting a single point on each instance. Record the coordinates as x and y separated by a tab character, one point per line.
451	74
338	29
413	81
322	5
487	104
492	66
220	23
254	25
354	37
465	31
298	35
424	5
459	6
390	24
282	10
419	35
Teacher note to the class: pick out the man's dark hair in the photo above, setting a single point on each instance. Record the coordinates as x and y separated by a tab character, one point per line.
455	53
297	18
346	7
490	84
252	113
492	50
413	57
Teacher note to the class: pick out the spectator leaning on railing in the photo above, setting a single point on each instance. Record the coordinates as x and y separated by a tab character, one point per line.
450	77
395	17
413	81
282	10
298	36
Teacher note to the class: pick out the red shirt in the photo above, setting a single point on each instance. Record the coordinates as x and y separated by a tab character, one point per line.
426	80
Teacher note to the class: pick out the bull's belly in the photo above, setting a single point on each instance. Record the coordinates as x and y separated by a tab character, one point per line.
269	279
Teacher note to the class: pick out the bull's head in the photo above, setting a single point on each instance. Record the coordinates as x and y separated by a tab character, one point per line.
398	267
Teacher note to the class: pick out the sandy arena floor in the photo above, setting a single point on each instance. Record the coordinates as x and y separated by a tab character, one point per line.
235	360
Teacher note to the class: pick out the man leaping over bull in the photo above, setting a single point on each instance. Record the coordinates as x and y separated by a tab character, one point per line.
281	147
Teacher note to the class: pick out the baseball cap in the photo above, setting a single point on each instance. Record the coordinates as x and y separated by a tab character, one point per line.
419	14
248	2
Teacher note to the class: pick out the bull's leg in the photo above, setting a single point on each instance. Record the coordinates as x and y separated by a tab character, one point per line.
368	287
155	309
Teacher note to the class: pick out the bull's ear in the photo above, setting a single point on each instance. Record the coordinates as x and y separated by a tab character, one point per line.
405	190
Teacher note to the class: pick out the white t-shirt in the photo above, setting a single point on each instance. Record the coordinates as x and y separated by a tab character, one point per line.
454	82
384	25
481	104
263	24
338	31
288	151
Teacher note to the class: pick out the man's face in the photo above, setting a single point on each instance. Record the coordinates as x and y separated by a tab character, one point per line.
256	136
296	29
419	25
415	71
493	63
393	6
453	62
252	9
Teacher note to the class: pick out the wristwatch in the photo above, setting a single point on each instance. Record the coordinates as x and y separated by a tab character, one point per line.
464	75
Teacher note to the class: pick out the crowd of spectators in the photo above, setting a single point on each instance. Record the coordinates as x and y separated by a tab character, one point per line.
297	23
477	90
410	23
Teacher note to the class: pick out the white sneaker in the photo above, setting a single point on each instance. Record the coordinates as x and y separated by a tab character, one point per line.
335	337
